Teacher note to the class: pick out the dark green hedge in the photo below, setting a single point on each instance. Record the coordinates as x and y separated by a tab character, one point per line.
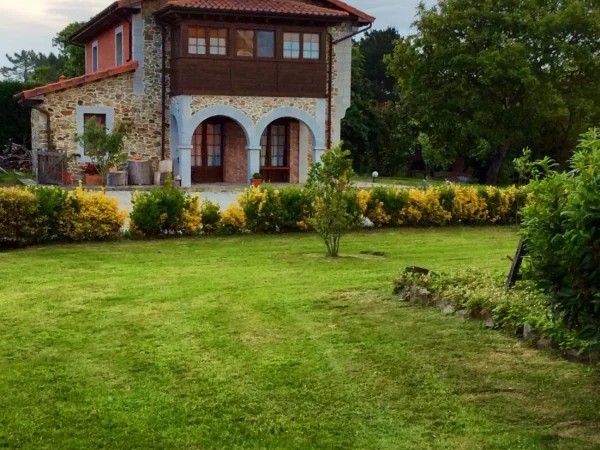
14	118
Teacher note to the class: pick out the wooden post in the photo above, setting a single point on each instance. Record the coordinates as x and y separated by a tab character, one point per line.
513	275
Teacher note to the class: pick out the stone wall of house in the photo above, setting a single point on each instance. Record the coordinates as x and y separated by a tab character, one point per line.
341	79
254	107
115	93
235	155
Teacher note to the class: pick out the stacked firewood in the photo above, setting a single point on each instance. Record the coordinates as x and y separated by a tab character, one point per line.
15	157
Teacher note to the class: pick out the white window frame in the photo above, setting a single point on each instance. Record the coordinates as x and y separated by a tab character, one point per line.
80	122
95	61
118	30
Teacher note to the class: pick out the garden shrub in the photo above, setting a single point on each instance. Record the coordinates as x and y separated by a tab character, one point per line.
91	216
262	208
483	295
424	208
469	206
233	219
163	212
20	219
211	215
295	208
562	236
51	203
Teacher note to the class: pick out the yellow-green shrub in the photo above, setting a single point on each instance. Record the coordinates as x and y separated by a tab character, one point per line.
211	215
424	208
91	216
233	219
262	208
20	219
469	205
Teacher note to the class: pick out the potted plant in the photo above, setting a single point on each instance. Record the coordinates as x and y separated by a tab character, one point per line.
91	175
256	179
103	148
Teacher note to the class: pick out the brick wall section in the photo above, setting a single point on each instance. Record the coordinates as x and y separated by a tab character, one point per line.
294	151
235	158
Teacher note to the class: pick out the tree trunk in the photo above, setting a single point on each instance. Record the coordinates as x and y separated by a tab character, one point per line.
496	164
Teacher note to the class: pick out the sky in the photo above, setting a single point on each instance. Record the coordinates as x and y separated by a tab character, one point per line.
31	24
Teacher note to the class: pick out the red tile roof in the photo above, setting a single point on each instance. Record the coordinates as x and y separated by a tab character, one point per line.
78	81
287	7
352	10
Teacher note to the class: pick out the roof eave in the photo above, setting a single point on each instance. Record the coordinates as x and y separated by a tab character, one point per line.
96	24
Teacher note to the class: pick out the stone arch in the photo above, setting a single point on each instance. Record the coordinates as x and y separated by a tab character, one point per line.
174	143
317	131
220	110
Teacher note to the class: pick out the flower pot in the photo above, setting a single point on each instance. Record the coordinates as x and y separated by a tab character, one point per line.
93	180
256	182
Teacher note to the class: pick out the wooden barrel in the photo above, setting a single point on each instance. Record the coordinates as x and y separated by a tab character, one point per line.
140	173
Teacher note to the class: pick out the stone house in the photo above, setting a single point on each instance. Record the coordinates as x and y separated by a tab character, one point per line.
224	88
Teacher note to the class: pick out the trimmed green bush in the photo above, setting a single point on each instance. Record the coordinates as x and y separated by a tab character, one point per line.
20	219
51	204
211	216
164	212
562	236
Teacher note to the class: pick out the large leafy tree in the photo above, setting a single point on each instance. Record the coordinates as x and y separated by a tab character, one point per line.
74	55
373	47
484	79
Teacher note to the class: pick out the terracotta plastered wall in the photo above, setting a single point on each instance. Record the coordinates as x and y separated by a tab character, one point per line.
235	157
106	48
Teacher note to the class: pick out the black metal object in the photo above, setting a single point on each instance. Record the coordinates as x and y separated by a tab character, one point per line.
514	275
52	167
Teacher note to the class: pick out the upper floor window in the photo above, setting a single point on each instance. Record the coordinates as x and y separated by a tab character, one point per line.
291	45
255	43
119	46
310	46
207	40
95	56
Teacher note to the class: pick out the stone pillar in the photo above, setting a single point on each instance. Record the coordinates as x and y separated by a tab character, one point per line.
303	154
185	165
253	162
317	154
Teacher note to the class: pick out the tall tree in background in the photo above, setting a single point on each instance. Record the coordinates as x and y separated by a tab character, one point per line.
74	55
40	68
485	79
374	46
23	64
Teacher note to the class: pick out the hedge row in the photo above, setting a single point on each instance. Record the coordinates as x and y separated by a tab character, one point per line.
42	214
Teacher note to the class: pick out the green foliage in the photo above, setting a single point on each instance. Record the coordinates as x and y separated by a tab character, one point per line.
72	55
51	204
374	46
20	219
262	208
393	201
484	295
211	215
562	235
296	205
23	65
15	119
495	77
328	180
162	212
104	149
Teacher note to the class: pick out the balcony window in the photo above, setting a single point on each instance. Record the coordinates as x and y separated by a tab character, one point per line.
244	43
119	46
310	46
197	41
291	45
218	41
265	44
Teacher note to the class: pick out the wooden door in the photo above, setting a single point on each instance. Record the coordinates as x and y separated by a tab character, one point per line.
207	153
274	152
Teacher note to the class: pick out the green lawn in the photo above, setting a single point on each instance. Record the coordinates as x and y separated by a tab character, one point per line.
10	177
259	342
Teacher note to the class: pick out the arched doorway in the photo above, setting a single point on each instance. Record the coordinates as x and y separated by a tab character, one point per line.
207	151
218	152
279	150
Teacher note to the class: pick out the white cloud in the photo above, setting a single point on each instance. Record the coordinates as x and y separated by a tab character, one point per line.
31	24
